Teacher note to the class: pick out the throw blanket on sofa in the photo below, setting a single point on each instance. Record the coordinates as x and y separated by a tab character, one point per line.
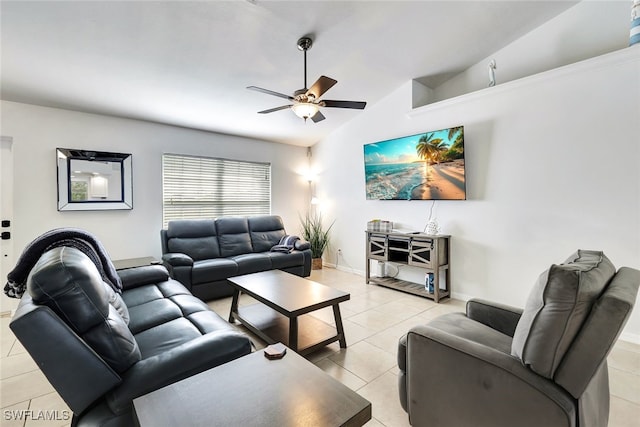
286	244
73	237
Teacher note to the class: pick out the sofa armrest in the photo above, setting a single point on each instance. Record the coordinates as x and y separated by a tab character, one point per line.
139	276
500	317
195	356
73	368
301	245
175	259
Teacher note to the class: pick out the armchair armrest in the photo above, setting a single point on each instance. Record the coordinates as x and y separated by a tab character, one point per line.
500	317
139	276
301	245
454	377
195	356
175	259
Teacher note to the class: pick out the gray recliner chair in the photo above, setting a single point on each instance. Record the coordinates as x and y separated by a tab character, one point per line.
545	365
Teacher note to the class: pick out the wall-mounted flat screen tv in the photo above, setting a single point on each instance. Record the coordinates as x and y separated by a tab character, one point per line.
425	166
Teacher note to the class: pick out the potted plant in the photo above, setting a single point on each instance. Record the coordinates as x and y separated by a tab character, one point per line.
317	237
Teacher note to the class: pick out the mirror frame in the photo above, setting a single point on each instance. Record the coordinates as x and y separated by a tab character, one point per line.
63	159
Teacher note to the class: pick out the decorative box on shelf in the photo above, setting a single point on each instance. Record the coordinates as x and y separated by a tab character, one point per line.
380	225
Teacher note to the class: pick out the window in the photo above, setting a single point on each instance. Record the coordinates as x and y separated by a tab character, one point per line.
207	187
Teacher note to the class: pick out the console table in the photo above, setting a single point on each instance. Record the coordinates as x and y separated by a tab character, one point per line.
431	253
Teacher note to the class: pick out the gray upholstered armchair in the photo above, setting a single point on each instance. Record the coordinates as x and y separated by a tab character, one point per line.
542	366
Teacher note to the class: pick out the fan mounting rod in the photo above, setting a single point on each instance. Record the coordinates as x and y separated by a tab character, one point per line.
304	44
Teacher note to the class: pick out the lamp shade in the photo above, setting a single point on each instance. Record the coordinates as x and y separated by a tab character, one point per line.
305	110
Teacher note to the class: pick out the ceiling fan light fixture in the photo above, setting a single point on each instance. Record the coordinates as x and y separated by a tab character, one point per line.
305	110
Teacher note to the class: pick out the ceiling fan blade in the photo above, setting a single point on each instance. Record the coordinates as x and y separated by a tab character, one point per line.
270	92
317	117
321	85
358	105
271	110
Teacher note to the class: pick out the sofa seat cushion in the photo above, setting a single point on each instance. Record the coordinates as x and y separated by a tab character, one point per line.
153	313
170	317
166	336
163	337
146	293
164	302
281	260
556	308
252	263
211	270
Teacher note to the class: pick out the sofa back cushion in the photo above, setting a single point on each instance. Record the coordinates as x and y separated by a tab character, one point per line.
194	237
557	307
266	232
65	280
233	235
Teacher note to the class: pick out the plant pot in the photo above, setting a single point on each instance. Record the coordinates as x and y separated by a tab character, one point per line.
316	263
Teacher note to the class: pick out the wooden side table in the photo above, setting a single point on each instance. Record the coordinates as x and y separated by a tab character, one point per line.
123	264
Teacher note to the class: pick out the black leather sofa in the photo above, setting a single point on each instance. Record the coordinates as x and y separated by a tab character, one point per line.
202	253
101	349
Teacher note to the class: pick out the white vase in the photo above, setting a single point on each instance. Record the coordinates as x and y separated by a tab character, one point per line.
433	227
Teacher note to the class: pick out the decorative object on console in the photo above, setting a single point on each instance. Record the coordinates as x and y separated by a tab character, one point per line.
317	237
379	225
432	227
425	166
306	102
94	180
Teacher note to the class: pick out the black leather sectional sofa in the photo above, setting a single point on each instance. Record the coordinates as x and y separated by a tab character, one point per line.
101	347
203	253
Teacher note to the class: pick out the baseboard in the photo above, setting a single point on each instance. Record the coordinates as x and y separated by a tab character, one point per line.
629	337
344	268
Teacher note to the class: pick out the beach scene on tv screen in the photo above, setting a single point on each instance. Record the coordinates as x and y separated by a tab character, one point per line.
425	166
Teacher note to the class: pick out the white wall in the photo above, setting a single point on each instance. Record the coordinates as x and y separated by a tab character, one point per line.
37	131
552	166
588	29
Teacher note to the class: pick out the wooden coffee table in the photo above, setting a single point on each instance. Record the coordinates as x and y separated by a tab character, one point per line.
282	314
253	391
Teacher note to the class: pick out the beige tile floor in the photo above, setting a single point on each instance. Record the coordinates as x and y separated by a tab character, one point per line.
374	318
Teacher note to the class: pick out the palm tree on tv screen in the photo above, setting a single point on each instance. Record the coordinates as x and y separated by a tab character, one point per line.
430	149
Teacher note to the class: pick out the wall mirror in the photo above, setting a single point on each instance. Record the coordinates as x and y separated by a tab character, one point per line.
93	180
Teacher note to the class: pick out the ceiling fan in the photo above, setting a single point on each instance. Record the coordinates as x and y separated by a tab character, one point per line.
306	102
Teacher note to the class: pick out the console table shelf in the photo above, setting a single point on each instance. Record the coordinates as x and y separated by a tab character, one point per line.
425	251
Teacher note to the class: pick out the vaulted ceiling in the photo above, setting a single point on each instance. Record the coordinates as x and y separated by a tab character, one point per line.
189	63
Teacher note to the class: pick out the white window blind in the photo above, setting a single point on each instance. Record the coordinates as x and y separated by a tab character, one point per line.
207	187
